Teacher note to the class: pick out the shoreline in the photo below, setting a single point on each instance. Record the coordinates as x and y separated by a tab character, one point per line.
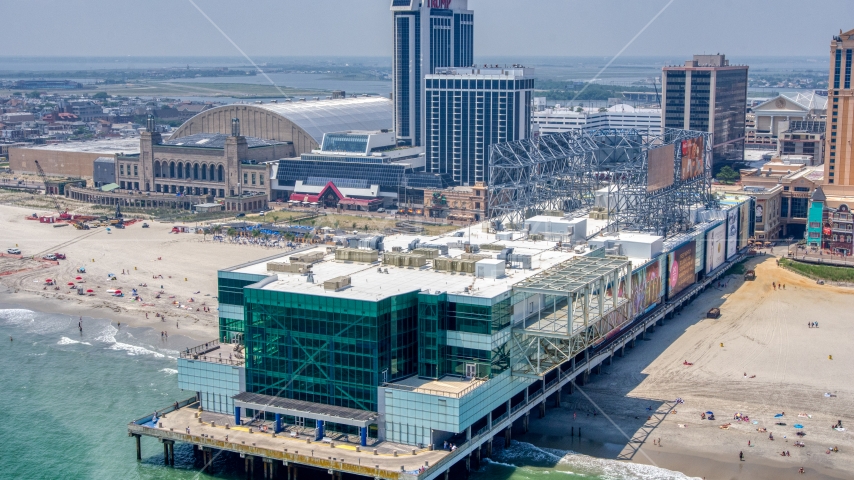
762	333
36	303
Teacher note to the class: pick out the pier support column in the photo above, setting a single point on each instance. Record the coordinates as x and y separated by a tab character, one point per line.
543	409
610	359
643	334
447	473
468	463
165	453
525	421
633	342
557	398
507	437
172	453
138	446
622	351
489	449
571	386
478	454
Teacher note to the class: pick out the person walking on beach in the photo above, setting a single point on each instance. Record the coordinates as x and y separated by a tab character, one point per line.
741	456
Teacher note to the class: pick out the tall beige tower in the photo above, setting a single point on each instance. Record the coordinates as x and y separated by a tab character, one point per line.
838	153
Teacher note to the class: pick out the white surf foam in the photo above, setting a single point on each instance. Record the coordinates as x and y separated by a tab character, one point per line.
169	371
108	335
134	350
522	453
17	316
68	341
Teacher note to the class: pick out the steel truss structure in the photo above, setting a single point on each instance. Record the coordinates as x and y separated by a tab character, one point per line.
577	304
565	171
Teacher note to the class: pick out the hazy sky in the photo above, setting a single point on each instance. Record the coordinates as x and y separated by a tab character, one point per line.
363	27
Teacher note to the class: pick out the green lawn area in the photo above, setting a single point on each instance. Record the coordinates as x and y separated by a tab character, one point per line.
826	272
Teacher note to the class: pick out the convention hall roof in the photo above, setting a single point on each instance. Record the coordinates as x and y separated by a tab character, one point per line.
301	122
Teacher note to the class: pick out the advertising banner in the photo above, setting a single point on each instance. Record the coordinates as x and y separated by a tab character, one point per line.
744	221
680	274
732	233
647	286
660	171
692	158
715	248
699	252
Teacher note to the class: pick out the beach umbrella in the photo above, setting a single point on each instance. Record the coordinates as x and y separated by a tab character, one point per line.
798	425
70	283
90	291
778	415
710	413
79	278
48	280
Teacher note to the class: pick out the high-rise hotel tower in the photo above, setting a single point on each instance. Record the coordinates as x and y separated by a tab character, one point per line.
839	153
428	34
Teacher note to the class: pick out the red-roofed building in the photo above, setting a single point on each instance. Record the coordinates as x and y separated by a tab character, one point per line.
331	197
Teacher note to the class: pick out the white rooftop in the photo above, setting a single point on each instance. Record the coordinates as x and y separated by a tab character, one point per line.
111	146
367	283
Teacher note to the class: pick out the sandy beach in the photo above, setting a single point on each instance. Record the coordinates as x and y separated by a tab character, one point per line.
187	263
762	332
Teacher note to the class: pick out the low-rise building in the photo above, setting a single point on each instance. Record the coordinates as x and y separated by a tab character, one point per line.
771	118
356	170
803	138
797	183
559	119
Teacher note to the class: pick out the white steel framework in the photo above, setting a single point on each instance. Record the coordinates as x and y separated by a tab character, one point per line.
580	302
564	171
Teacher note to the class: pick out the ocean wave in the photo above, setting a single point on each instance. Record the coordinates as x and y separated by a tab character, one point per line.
68	341
495	462
169	371
522	453
108	335
134	350
17	316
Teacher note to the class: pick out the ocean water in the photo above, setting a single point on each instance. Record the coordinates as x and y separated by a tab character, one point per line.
524	461
67	397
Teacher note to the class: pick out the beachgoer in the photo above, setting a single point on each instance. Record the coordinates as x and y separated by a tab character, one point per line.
741	456
748	443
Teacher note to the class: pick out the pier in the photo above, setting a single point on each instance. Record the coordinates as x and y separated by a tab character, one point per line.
284	454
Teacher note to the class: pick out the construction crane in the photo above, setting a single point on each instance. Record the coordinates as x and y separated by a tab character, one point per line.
657	97
63	213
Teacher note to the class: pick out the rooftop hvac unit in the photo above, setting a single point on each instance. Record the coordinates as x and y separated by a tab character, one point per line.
443	249
337	283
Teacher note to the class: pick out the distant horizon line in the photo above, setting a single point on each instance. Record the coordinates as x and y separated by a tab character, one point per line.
389	56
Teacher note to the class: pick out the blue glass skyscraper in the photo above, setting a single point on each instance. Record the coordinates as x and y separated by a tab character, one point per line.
428	34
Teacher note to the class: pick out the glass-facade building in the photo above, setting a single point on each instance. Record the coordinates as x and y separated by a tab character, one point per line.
470	109
427	35
707	94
